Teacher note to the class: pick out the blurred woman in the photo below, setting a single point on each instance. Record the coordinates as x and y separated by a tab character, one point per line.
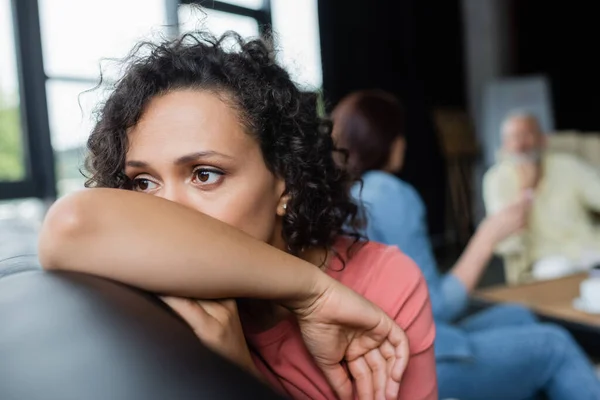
214	179
500	353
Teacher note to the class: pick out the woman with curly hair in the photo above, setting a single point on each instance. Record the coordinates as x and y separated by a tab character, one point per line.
213	179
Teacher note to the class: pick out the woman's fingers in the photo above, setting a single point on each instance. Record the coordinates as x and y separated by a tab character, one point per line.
220	310
363	378
379	370
338	379
399	341
228	304
392	387
193	313
384	363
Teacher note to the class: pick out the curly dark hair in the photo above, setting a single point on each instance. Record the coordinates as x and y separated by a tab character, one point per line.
296	143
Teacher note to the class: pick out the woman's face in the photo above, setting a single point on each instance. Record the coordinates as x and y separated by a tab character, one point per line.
191	148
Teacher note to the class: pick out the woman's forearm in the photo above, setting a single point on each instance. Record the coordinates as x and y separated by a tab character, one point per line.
474	259
167	248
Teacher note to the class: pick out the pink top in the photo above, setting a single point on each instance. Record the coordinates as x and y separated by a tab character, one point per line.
391	280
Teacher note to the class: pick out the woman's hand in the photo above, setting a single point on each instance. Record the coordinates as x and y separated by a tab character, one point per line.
217	324
508	221
338	326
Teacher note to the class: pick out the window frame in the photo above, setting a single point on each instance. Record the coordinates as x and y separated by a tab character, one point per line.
38	157
38	153
261	15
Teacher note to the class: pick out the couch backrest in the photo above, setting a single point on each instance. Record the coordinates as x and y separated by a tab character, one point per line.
585	145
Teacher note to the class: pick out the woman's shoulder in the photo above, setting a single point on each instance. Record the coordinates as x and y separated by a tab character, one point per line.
382	178
392	280
364	254
383	184
381	273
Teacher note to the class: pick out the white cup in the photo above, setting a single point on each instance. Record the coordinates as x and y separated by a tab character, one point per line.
553	267
589	291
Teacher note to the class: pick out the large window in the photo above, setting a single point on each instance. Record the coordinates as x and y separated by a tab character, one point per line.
296	27
12	149
254	4
105	33
53	51
20	214
294	23
192	18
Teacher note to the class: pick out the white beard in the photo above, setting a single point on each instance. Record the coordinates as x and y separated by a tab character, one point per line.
532	156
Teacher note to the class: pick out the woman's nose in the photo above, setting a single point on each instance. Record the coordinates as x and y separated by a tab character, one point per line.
175	193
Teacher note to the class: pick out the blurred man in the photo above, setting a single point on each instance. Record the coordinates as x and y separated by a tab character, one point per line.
565	190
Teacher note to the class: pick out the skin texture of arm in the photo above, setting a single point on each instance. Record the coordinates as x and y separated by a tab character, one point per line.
473	261
493	230
166	248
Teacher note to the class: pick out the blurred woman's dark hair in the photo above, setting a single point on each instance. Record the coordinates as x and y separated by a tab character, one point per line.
366	124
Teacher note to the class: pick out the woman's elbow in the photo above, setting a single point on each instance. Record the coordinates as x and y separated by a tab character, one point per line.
62	226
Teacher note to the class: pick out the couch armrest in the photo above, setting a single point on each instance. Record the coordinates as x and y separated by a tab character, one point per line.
73	336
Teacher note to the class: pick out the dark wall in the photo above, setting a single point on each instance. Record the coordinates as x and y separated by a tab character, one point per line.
560	40
411	50
439	54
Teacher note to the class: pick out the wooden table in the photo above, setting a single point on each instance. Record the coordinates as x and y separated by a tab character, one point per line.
551	299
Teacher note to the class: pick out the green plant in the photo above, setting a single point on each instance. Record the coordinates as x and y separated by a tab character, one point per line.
12	167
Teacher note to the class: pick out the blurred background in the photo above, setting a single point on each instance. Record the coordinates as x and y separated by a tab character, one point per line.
458	66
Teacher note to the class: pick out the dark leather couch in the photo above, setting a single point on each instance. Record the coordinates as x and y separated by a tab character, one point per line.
68	336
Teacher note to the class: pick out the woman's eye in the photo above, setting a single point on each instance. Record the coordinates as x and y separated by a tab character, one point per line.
204	176
143	185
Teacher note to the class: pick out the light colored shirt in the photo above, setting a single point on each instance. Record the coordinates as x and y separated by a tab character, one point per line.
396	216
560	222
389	279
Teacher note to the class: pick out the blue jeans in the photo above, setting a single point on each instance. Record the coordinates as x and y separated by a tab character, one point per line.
517	358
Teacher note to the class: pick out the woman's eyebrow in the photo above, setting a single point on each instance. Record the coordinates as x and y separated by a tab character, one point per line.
136	164
186	159
199	155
